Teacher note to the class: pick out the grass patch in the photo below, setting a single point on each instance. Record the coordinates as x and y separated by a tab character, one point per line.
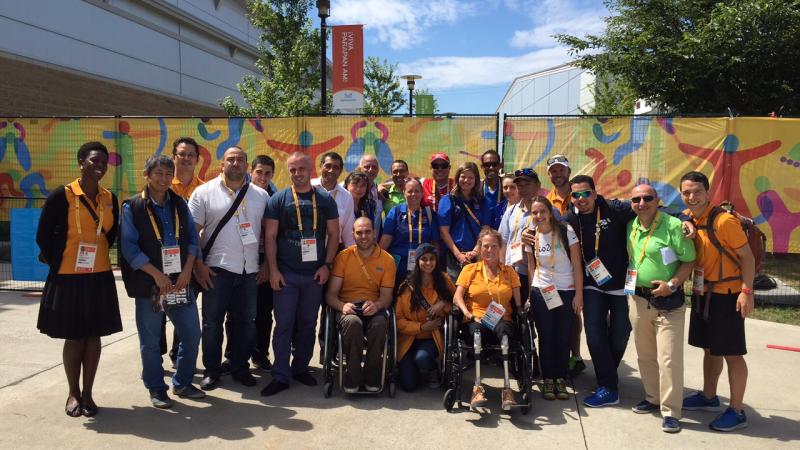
779	314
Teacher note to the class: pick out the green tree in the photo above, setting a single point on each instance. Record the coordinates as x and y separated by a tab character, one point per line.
383	93
425	91
288	62
700	56
612	97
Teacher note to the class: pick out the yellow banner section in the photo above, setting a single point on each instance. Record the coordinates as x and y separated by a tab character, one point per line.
752	162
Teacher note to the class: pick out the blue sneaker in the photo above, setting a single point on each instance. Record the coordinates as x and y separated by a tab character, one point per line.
602	397
645	407
670	425
729	420
698	402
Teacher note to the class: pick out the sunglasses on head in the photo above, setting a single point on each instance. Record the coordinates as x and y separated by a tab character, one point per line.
440	166
526	172
646	198
582	194
556	159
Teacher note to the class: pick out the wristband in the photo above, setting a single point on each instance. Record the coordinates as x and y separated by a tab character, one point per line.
747	291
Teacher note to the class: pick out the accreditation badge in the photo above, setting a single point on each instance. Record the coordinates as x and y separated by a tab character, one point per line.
551	297
87	253
247	234
308	249
494	312
698	280
598	271
412	259
171	259
515	253
630	281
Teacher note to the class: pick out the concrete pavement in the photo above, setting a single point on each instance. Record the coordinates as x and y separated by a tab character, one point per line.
33	391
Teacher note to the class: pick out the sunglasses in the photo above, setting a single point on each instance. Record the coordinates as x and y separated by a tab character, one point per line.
646	198
582	194
557	159
491	165
440	166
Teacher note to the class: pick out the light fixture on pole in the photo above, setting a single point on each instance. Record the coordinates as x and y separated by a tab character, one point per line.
411	81
324	9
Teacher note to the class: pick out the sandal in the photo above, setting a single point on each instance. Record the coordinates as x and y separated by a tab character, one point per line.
89	410
75	410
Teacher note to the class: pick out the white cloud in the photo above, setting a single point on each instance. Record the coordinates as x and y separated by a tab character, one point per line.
552	17
452	72
399	23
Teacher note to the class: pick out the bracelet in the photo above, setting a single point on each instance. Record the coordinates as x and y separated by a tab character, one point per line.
747	291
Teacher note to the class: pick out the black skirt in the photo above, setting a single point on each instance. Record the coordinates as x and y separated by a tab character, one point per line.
79	306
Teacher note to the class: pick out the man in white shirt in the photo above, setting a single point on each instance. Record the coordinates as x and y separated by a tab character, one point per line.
229	268
330	168
369	165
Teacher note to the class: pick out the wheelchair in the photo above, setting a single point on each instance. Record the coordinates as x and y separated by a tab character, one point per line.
519	357
334	363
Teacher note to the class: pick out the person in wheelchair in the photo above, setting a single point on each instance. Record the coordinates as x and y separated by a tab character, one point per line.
484	291
360	290
423	301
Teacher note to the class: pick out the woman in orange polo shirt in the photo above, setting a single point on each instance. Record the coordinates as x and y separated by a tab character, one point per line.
484	291
79	302
424	299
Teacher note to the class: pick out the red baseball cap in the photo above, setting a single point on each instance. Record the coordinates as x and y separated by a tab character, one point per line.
441	156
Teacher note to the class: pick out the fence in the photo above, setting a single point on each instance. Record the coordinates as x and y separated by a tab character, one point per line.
751	161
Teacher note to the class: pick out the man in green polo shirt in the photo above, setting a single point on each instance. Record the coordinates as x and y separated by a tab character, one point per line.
393	190
661	258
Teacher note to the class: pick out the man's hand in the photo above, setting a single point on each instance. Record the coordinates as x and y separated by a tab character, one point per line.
163	283
745	304
203	274
322	274
263	274
689	230
348	308
462	258
431	324
529	236
662	289
183	279
369	308
276	280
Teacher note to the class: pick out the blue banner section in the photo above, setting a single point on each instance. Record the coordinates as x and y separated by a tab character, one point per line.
25	265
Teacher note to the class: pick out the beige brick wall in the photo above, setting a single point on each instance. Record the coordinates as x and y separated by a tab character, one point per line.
32	90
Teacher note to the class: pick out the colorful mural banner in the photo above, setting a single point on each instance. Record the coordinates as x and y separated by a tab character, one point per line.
750	161
348	68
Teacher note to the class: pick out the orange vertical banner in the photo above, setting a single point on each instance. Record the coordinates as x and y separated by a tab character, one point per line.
348	68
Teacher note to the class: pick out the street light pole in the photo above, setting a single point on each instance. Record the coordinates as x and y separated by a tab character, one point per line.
324	9
410	82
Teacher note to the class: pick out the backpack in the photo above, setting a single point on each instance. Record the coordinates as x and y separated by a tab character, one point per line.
756	239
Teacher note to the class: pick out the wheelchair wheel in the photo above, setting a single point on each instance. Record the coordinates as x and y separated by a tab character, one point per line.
327	389
449	399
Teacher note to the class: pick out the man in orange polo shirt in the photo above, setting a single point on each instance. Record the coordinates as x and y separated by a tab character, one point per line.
360	289
722	298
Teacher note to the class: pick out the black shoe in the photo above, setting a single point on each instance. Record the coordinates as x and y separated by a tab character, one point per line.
305	378
274	387
160	399
245	378
209	383
263	365
225	367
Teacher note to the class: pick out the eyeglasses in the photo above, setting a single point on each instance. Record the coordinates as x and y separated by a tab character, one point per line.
490	165
557	159
440	166
186	155
646	198
582	194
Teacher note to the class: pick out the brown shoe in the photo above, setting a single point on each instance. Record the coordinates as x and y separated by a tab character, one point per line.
508	399
478	397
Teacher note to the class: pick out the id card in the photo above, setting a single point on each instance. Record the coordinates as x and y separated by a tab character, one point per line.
551	297
493	315
171	259
698	280
515	253
598	271
87	253
308	249
412	259
630	281
668	255
247	234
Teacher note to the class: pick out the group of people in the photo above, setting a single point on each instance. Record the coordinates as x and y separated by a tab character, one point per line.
488	247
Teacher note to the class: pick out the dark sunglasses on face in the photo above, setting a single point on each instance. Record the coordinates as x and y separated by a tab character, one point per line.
490	165
646	198
582	194
440	166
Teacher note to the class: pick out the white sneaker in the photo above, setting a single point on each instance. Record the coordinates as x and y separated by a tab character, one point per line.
372	388
350	390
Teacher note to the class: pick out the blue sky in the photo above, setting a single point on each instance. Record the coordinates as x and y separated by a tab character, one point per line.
468	52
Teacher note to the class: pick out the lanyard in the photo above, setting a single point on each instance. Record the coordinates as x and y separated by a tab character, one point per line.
411	227
364	268
297	210
78	217
552	253
488	281
155	226
653	227
436	194
516	223
478	222
596	235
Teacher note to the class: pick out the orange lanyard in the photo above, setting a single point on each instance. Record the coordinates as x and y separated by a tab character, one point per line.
472	214
155	226
488	281
653	227
596	235
297	210
100	216
364	268
411	227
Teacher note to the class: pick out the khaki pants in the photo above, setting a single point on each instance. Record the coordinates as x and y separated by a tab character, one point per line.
659	345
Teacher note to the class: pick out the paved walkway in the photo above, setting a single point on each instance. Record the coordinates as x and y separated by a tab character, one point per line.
33	391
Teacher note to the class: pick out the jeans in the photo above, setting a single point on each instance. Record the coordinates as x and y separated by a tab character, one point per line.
555	333
235	294
421	357
608	327
295	309
148	324
263	325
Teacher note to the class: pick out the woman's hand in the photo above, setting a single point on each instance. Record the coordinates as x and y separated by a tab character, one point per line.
436	310
462	258
431	324
577	302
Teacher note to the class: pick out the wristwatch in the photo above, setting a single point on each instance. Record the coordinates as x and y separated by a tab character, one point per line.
672	287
